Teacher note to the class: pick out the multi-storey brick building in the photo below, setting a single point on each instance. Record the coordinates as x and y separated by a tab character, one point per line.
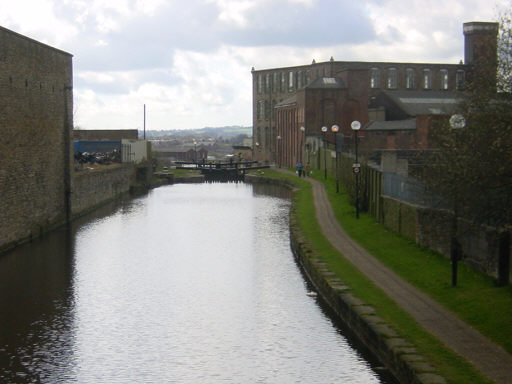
35	132
291	104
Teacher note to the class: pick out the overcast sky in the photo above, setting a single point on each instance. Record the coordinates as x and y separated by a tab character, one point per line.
190	61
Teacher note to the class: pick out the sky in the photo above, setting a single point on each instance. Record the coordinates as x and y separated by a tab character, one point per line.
189	61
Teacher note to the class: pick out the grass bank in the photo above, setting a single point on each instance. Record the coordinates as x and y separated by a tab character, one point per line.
476	300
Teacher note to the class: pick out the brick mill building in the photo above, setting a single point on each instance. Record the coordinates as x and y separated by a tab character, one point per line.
395	102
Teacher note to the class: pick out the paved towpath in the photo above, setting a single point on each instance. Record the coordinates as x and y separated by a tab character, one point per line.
492	360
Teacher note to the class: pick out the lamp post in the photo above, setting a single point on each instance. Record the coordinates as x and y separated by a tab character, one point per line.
302	130
256	155
278	151
335	130
456	122
356	126
324	130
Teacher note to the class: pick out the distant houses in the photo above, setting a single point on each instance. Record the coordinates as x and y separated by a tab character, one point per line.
168	157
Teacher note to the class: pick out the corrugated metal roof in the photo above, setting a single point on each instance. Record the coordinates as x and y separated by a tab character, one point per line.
394	125
427	102
327	83
287	102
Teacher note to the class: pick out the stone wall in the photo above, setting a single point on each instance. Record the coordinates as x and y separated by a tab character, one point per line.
397	354
432	228
428	227
90	189
35	127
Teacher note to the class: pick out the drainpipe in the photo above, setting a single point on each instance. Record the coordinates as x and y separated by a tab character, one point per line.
67	131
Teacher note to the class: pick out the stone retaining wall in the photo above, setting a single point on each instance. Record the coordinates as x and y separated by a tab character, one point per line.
432	228
36	107
394	352
90	189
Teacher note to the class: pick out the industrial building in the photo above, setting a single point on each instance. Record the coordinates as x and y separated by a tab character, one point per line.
395	102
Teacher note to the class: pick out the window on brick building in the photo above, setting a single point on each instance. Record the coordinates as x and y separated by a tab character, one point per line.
374	78
392	78
290	81
409	78
459	79
427	79
308	77
443	76
283	82
260	84
267	83
299	80
267	110
258	110
275	82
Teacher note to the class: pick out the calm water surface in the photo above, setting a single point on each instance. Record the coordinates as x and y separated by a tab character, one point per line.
189	284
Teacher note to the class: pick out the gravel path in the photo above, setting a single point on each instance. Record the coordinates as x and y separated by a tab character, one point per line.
492	360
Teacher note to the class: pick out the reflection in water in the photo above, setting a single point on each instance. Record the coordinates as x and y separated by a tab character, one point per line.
36	310
189	284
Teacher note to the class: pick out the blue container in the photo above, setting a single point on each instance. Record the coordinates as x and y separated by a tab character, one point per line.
102	146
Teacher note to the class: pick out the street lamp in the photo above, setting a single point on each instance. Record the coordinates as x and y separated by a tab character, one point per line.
324	130
302	130
278	151
456	122
335	129
356	126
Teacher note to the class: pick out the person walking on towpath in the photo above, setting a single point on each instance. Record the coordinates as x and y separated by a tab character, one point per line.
299	169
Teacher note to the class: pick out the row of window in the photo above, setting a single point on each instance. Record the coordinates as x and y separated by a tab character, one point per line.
290	81
263	109
410	78
282	81
266	142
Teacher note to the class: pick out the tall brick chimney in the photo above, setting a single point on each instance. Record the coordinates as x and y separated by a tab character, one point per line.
481	52
480	41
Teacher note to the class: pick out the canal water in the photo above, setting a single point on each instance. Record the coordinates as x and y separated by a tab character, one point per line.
188	284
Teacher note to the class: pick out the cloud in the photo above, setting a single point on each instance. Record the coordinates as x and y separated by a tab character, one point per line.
37	19
299	23
190	61
114	38
198	96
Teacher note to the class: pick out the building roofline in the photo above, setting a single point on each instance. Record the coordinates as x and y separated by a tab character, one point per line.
19	35
365	63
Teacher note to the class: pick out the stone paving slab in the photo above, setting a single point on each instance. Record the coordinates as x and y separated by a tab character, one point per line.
489	358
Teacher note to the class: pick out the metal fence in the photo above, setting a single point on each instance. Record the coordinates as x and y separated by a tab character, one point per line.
409	190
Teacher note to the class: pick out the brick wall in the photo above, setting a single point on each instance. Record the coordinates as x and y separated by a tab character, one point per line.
35	126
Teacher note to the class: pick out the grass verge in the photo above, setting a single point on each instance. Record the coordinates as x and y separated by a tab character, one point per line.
374	237
476	299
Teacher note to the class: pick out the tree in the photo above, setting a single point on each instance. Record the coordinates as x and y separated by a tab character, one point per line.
471	170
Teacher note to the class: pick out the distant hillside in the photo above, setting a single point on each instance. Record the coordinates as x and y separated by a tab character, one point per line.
225	132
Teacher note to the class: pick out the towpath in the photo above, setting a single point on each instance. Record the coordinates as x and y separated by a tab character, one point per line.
492	360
